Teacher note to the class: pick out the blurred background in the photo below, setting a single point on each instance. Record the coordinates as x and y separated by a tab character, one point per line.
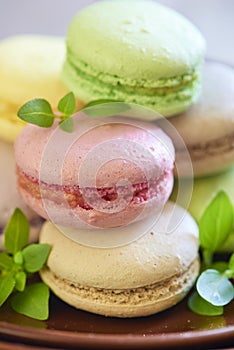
215	18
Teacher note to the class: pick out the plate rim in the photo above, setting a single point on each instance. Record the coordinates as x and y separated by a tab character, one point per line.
105	340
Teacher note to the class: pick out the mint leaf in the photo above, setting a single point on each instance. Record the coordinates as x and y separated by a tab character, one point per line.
37	111
202	307
16	232
33	301
20	281
215	287
35	256
6	261
216	223
67	125
7	284
67	104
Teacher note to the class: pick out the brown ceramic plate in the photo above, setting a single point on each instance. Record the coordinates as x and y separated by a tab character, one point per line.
70	328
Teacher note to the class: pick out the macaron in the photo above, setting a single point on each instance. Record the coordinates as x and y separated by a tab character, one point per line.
104	174
141	278
208	127
30	67
10	198
134	51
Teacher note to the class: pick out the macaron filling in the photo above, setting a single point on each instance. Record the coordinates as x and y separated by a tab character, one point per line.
88	198
159	94
135	296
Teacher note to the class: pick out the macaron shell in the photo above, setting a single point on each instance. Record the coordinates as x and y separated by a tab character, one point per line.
63	188
30	66
125	136
155	257
118	38
208	127
128	303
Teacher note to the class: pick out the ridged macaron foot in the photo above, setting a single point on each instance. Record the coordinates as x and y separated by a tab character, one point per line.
141	278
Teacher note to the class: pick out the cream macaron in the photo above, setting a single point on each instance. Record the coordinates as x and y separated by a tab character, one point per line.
141	278
208	127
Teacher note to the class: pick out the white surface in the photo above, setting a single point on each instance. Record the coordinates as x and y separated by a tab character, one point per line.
213	17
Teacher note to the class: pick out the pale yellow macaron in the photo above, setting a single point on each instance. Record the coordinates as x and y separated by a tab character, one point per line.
30	67
140	278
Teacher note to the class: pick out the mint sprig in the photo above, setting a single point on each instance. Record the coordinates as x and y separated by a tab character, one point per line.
213	287
17	264
39	112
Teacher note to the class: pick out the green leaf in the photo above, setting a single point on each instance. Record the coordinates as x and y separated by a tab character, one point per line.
202	307
220	266
33	301
67	104
7	284
215	287
99	102
102	108
231	262
67	125
16	232
216	222
18	258
35	256
37	111
20	281
6	261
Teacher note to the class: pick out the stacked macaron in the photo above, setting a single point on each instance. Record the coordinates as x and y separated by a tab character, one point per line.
208	132
143	269
110	179
30	67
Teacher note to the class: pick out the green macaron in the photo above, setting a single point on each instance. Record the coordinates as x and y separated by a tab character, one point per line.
134	51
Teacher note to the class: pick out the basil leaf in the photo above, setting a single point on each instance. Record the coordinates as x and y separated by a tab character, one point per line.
67	125
7	284
231	263
33	301
67	104
37	111
220	266
216	222
202	307
35	256
6	261
18	258
20	281
215	287
16	232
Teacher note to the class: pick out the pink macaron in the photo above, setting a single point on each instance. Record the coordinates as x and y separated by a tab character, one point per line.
102	175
